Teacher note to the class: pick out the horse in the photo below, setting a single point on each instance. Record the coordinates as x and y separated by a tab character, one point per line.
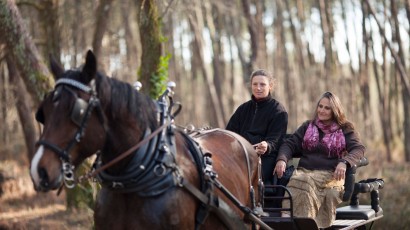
153	174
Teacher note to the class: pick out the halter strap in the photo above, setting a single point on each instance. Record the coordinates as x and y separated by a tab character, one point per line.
60	152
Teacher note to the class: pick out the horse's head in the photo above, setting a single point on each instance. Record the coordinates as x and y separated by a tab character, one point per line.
70	113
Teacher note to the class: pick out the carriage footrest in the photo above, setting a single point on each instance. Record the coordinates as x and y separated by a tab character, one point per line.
286	223
347	223
360	212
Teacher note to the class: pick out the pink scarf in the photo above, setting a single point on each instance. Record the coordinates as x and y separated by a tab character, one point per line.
334	138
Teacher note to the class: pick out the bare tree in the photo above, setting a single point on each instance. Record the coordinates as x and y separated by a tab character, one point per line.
404	80
287	73
323	8
405	93
196	22
131	36
213	22
3	100
50	22
103	13
258	56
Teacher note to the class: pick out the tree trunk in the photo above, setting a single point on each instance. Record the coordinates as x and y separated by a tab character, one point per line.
3	105
288	78
327	43
404	82
101	24
49	20
407	6
197	24
23	107
258	57
405	94
364	73
384	113
23	52
150	34
217	60
132	56
349	79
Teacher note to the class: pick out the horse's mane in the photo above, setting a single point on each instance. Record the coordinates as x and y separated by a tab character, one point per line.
121	100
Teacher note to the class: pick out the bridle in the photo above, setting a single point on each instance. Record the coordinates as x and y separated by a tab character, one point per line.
80	114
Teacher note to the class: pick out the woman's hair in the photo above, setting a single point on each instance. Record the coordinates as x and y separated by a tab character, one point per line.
262	72
338	113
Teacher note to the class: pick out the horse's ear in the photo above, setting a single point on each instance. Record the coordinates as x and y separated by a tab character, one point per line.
40	115
56	68
90	67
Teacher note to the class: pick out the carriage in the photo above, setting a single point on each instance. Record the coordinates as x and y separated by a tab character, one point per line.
156	175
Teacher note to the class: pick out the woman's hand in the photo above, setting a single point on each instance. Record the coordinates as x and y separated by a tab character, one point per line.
280	168
340	171
261	147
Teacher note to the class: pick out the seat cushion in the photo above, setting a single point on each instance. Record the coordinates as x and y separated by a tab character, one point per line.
360	212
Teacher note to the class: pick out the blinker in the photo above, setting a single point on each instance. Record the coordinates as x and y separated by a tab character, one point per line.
79	110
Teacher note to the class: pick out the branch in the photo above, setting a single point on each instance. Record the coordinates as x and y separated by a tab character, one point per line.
403	74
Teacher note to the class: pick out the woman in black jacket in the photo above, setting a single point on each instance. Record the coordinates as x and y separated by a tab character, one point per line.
262	121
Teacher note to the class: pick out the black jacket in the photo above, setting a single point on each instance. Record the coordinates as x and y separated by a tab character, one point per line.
265	120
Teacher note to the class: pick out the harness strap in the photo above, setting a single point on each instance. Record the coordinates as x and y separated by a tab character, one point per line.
60	152
194	191
217	206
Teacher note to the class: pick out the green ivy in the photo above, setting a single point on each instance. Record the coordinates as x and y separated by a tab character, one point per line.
159	79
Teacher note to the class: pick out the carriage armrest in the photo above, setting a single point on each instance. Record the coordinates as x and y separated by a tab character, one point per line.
366	212
350	178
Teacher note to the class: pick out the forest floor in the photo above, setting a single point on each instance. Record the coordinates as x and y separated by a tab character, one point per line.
23	208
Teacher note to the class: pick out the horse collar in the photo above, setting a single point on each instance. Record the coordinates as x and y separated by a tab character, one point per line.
149	172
